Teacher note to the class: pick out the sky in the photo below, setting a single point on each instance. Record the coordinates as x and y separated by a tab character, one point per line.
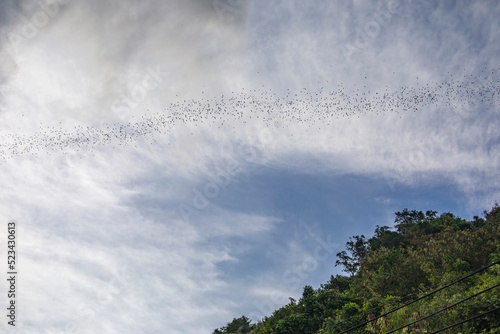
171	165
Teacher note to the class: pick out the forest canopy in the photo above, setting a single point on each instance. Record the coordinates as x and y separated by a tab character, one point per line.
401	267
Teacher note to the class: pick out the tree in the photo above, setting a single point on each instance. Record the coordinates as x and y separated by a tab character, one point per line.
237	326
358	249
384	237
338	283
392	267
407	220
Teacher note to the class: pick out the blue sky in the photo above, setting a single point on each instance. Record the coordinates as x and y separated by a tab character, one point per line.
141	211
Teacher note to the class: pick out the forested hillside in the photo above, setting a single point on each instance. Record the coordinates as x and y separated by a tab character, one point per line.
401	266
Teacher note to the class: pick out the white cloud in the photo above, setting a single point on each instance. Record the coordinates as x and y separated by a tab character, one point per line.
86	214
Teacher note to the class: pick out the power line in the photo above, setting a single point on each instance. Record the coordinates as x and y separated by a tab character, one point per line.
443	309
382	304
420	298
467	320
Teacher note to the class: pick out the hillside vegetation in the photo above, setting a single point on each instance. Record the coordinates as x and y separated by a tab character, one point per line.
396	266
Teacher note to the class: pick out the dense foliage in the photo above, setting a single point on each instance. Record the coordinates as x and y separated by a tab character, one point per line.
422	252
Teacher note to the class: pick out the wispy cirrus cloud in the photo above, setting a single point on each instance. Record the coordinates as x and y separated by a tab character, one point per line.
105	222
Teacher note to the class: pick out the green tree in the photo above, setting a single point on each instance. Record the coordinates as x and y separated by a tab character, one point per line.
240	325
395	265
357	247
